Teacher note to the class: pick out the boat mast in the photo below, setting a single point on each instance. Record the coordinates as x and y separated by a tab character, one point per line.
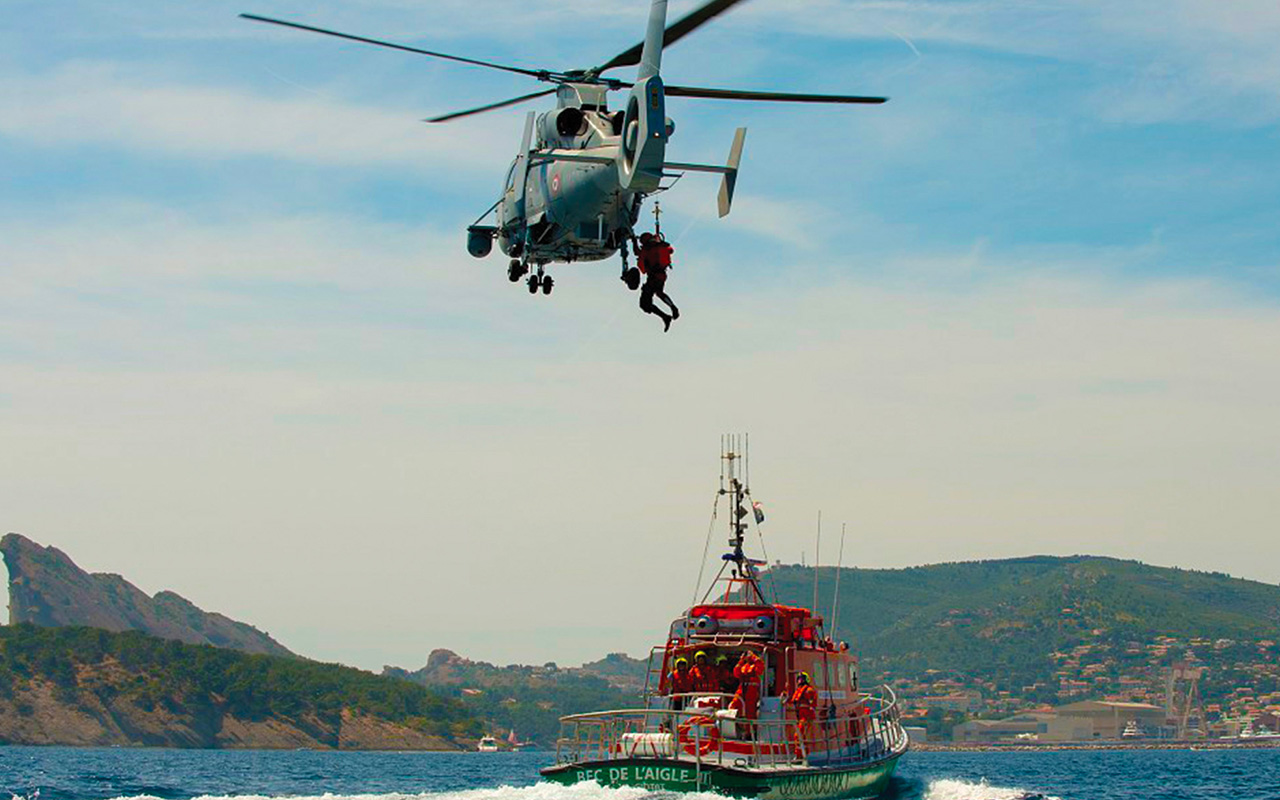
744	567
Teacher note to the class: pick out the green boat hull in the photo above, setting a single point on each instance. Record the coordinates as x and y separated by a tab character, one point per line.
659	774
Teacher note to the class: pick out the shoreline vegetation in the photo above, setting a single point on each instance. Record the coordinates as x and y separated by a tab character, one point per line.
90	687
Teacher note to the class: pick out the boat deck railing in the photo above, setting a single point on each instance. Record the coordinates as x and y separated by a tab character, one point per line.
702	734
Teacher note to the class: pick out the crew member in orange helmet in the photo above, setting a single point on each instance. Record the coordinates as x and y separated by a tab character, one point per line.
704	674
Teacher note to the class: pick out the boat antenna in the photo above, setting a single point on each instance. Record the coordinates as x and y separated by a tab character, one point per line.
817	561
742	569
835	602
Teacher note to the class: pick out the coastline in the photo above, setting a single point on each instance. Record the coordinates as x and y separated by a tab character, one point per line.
1040	747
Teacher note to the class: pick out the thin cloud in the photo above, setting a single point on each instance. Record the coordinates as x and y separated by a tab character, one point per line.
113	105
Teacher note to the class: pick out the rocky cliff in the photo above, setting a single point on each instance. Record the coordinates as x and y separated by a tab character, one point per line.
46	588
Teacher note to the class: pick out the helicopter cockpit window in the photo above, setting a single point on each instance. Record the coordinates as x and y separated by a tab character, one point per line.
511	178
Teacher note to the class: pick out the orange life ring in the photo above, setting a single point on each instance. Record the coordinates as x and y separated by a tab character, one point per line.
704	744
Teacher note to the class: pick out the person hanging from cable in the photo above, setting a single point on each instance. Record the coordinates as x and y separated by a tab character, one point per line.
654	256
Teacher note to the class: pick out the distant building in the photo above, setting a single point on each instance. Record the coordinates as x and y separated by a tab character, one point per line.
1031	726
917	734
1089	720
1099	719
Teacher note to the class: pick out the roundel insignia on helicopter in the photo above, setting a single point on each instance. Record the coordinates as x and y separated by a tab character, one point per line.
555	183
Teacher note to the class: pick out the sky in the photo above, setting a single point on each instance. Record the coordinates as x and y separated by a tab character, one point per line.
1030	305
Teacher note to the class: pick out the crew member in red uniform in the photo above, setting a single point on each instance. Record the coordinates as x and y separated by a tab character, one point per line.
681	682
748	671
804	699
724	674
704	674
654	255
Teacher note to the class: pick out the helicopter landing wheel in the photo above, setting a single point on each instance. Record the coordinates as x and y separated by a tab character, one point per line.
516	270
547	283
534	282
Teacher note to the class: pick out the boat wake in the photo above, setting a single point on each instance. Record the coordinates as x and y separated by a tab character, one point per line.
946	789
951	789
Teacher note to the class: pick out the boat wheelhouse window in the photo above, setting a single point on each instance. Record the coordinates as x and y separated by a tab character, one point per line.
839	676
853	677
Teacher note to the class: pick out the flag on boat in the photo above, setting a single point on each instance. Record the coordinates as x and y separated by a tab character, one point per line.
512	737
759	509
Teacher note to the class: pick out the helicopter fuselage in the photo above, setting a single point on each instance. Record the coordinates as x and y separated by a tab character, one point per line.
570	210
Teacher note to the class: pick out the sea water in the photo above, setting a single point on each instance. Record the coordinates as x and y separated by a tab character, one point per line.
60	773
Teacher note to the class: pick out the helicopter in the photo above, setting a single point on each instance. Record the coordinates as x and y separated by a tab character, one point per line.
576	186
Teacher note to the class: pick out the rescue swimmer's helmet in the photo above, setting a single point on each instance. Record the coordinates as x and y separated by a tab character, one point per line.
722	659
699	654
804	678
683	661
646	237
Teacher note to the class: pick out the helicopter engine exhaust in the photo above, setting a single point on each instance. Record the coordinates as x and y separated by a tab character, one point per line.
564	123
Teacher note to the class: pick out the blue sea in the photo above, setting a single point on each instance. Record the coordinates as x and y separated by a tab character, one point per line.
58	773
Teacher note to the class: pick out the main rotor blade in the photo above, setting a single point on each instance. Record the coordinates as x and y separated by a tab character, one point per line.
491	106
785	97
674	33
540	74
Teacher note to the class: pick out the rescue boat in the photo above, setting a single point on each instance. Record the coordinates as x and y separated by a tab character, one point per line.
751	736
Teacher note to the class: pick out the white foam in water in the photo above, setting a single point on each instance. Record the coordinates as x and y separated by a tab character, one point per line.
950	789
540	791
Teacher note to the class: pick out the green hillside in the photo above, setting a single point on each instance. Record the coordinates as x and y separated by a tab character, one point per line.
77	685
1004	621
530	699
